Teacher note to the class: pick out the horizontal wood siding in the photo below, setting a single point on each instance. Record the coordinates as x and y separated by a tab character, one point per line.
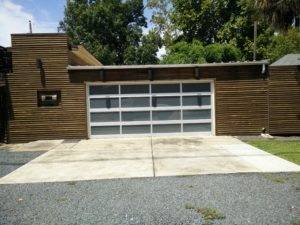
30	122
241	94
241	100
241	107
284	100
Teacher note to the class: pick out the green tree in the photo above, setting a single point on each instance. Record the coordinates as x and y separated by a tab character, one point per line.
238	30
280	13
186	20
161	19
145	53
283	44
106	27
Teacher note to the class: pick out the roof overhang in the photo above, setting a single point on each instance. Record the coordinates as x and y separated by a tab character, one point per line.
288	60
166	66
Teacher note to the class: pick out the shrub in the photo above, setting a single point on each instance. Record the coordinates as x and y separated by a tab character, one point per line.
183	53
221	53
213	53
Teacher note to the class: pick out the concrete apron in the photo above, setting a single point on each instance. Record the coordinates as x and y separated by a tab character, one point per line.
145	157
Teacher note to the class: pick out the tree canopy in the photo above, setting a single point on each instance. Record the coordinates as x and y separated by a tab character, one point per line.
280	13
216	23
110	29
192	31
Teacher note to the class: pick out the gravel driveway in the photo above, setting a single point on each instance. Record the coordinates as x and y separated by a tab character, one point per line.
10	161
252	198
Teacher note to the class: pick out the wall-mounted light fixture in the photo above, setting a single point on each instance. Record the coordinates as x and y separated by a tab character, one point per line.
264	71
102	75
197	73
150	74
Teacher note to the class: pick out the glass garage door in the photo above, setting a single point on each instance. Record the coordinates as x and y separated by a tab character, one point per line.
128	109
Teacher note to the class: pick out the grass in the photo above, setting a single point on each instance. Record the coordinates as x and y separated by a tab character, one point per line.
297	222
286	149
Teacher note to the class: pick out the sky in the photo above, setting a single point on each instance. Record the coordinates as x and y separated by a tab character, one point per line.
44	14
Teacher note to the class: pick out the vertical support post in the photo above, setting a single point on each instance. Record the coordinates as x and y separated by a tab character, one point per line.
30	27
254	40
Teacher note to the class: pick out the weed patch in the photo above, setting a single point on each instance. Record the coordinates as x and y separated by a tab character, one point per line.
208	214
276	179
62	199
71	183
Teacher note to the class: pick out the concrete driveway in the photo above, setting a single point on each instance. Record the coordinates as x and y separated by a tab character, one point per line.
143	157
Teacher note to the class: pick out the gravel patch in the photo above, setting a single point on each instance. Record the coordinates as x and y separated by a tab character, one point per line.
254	198
12	160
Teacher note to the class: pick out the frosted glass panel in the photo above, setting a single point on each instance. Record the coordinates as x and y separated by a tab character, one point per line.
105	117
135	102
168	128
104	89
165	101
196	114
135	116
134	89
195	100
105	130
166	115
165	88
196	87
199	127
136	129
104	103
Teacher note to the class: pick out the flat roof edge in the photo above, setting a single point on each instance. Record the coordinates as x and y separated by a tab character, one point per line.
165	66
39	34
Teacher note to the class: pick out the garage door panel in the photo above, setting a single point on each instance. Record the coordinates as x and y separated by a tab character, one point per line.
105	117
196	100
165	101
166	115
105	130
165	88
150	108
104	90
196	87
167	128
197	127
137	129
134	89
135	102
196	114
136	116
104	103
